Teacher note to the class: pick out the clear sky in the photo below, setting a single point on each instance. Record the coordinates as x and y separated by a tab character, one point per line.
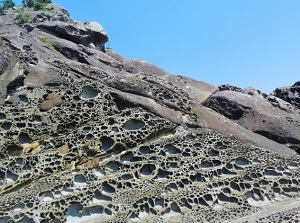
240	42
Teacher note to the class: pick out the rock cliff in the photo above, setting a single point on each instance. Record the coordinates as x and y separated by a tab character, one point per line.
89	136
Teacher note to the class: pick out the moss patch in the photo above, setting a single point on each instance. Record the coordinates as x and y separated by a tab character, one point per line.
48	43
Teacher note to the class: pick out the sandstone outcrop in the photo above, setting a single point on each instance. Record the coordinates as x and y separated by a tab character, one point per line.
289	94
89	136
265	115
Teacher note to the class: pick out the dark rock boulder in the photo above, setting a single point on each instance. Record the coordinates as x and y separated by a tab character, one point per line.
228	87
289	94
88	34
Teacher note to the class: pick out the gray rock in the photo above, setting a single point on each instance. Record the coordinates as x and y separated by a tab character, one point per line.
84	133
76	32
289	94
255	113
3	63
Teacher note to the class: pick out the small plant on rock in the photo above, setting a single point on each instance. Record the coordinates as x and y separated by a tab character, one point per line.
22	17
36	4
48	43
5	5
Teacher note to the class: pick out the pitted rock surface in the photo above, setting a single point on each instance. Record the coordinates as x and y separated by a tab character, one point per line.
89	136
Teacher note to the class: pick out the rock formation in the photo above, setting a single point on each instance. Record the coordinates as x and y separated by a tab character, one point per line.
89	136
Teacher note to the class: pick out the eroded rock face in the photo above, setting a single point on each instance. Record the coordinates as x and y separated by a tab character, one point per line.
76	32
89	136
289	94
251	110
126	165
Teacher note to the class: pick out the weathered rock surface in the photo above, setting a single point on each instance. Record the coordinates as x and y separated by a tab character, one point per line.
89	136
289	94
253	111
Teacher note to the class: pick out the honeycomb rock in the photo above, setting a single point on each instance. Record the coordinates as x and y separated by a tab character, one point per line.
88	136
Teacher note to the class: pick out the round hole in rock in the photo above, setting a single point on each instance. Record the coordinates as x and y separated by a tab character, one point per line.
71	125
240	161
23	99
208	197
107	143
113	166
134	124
175	207
221	146
114	129
207	164
89	136
126	157
90	105
99	172
96	210
108	188
127	177
19	206
2	116
24	138
170	149
292	165
108	211
48	196
74	210
100	197
190	137
11	177
148	170
167	97
14	150
145	150
6	126
159	202
37	118
271	173
213	152
80	180
89	92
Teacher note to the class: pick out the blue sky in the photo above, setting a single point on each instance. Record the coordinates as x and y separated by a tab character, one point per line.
240	42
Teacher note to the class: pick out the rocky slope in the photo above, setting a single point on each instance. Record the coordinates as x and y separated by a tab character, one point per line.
89	136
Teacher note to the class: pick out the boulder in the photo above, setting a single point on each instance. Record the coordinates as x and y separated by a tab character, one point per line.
76	32
289	94
256	113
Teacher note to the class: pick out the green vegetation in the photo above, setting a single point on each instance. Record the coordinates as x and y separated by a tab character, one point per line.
5	5
36	4
22	17
48	43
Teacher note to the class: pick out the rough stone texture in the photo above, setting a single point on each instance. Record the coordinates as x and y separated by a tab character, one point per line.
89	136
252	111
289	94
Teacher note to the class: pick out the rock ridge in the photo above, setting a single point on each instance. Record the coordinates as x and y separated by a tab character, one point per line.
87	135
